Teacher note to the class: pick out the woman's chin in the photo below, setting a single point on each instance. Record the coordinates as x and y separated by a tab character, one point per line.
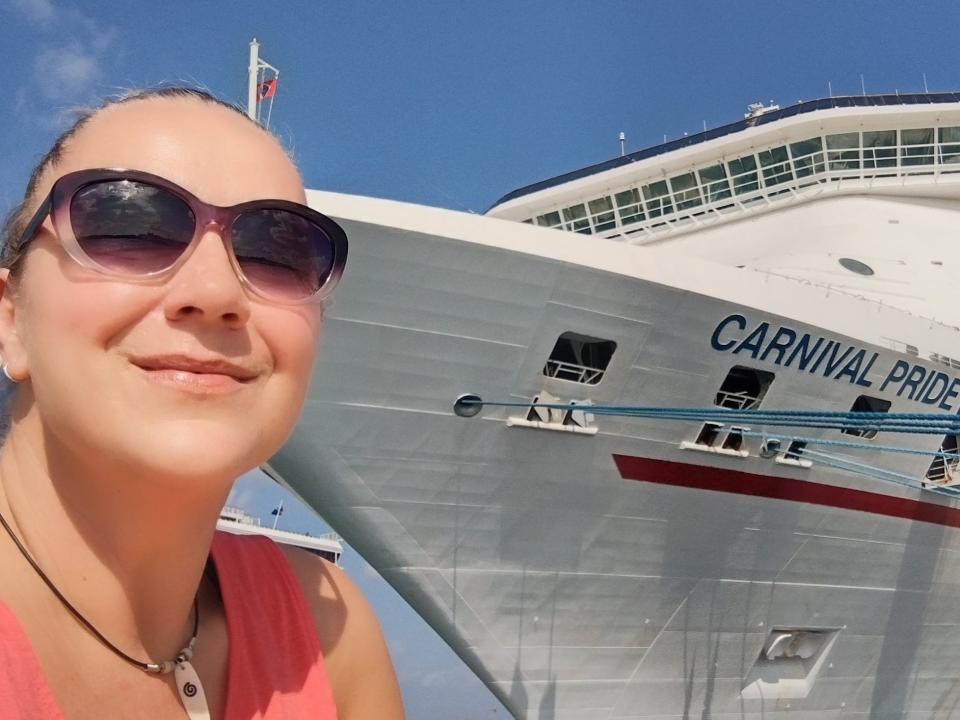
188	451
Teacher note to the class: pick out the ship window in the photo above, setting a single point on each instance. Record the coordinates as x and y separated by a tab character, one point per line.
949	145
866	404
579	358
658	199
776	166
550	219
629	205
529	221
601	212
880	149
855	266
715	183
743	388
744	173
807	157
917	146
734	439
708	434
843	151
795	450
576	219
685	191
942	469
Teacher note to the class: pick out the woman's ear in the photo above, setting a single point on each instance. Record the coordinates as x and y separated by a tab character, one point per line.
12	354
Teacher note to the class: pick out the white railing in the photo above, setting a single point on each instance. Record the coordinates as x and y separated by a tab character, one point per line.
662	204
735	401
573	372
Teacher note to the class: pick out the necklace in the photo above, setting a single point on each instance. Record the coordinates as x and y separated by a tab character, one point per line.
188	682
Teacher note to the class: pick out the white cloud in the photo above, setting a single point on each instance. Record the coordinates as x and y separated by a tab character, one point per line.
40	11
66	73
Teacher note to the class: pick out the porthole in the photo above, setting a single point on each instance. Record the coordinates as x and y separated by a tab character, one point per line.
855	266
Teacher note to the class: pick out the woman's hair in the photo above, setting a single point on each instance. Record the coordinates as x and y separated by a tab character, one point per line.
11	250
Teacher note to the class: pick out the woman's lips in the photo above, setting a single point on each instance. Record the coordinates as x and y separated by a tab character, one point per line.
196	375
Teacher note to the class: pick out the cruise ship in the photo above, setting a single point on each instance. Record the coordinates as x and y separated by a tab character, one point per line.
521	421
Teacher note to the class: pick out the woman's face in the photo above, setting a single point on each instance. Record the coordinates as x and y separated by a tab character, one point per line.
114	370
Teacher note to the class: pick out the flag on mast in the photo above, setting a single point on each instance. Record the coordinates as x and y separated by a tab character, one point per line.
267	89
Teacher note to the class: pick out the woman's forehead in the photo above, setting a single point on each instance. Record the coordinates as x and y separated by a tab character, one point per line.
212	151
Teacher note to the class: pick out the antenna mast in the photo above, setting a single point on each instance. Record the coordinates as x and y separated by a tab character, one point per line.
252	73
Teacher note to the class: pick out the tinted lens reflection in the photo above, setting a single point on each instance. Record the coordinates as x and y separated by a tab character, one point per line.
131	227
282	254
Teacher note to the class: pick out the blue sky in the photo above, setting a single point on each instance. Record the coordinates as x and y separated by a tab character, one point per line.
453	104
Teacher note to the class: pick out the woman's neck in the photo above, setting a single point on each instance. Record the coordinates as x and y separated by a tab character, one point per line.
127	550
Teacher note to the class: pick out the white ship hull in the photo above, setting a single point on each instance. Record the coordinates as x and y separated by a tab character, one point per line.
576	588
628	568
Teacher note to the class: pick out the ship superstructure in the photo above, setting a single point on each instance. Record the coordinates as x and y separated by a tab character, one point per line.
613	566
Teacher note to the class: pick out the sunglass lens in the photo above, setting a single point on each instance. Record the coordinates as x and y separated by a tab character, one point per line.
283	255
131	227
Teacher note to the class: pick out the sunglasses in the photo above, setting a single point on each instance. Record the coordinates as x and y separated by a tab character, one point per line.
137	226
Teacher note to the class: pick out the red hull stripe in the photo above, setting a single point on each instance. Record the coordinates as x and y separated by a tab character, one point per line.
665	472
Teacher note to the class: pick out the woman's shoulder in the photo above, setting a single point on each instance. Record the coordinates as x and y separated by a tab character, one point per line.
355	654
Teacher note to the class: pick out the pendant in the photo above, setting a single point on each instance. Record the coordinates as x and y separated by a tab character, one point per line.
191	691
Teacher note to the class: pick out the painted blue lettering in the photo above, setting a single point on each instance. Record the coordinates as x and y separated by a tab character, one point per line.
852	368
897	373
933	394
949	395
830	346
862	380
781	341
917	373
801	350
753	341
738	320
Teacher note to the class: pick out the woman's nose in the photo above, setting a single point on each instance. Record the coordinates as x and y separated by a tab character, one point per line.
206	287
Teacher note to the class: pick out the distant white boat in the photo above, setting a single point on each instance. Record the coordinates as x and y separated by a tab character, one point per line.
239	522
590	565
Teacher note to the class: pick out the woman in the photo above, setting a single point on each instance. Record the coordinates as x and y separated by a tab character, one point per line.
159	323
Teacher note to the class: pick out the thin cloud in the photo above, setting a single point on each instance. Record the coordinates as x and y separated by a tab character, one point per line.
65	73
38	11
68	64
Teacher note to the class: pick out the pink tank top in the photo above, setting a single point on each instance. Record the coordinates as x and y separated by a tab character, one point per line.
275	670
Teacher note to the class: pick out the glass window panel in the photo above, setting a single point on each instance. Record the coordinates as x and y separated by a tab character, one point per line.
807	156
629	205
685	191
880	149
949	134
550	219
776	165
600	205
715	183
839	157
576	218
743	173
601	209
843	140
917	146
921	136
950	145
658	199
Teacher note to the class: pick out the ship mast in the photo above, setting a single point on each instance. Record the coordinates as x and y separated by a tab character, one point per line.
260	87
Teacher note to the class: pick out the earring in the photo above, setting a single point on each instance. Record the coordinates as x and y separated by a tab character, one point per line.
6	373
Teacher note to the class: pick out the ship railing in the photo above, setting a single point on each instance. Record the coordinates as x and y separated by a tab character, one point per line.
787	172
571	371
735	400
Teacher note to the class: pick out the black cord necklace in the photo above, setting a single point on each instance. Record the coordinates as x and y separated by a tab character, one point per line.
188	683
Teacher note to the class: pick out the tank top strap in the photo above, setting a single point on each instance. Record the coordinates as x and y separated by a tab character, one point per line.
276	668
24	692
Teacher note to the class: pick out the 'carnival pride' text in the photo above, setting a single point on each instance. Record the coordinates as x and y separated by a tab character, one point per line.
816	355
